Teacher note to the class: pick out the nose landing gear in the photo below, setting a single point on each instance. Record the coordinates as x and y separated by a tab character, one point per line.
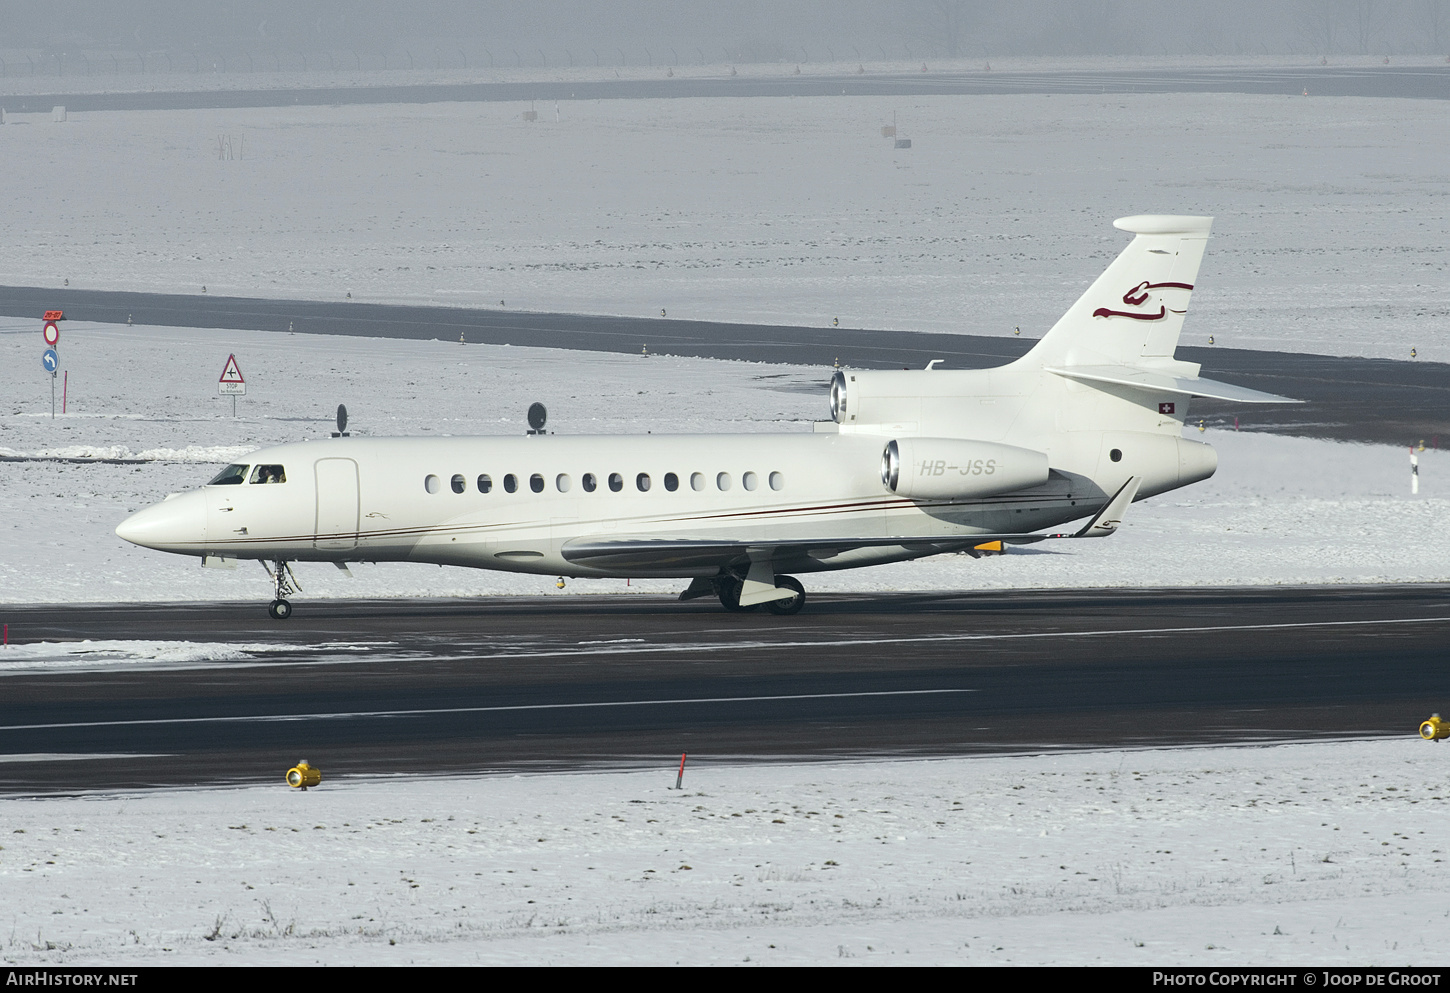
284	584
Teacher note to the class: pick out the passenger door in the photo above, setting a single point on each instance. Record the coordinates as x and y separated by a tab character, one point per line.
337	505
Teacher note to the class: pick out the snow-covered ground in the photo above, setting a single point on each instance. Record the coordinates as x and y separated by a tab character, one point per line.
1329	232
1327	853
1279	510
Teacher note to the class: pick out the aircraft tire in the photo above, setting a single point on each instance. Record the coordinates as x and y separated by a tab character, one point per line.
280	610
785	608
729	589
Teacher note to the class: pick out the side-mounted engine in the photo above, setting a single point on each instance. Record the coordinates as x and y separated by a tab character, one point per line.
947	468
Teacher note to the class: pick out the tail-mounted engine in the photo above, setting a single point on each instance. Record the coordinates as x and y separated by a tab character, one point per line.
946	469
918	401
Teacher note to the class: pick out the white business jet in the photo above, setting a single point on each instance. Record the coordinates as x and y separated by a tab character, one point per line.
913	463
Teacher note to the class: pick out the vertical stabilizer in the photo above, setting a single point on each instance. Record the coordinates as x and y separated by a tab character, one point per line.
1135	309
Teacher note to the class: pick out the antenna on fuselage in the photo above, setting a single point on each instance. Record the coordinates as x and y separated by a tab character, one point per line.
341	431
538	415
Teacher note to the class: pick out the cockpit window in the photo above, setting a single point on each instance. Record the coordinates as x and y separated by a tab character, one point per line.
232	475
269	474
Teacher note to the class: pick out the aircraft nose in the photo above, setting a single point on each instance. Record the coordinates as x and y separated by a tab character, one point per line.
176	524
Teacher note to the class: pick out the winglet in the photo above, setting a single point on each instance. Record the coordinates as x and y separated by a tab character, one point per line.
1111	516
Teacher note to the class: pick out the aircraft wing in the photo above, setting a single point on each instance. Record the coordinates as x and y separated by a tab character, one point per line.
644	552
691	553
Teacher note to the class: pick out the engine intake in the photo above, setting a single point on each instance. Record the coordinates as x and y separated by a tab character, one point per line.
948	469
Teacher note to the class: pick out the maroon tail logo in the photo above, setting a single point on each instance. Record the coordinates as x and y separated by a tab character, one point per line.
1138	296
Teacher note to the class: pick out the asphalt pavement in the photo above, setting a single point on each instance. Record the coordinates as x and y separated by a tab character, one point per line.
506	685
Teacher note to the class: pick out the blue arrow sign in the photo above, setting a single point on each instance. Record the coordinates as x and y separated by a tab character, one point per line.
50	360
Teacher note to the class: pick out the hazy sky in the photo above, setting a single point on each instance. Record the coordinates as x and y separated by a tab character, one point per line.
692	31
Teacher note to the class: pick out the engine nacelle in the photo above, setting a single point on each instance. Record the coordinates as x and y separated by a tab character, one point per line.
917	396
947	469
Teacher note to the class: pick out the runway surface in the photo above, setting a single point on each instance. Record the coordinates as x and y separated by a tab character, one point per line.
450	687
1377	81
1350	399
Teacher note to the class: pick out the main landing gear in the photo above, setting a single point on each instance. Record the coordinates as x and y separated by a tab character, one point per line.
728	589
284	584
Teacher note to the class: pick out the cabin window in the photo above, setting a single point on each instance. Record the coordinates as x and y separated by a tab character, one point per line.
750	481
697	481
641	482
536	483
616	482
269	474
511	483
432	483
777	481
1116	455
485	483
458	483
589	482
232	475
722	481
672	482
562	482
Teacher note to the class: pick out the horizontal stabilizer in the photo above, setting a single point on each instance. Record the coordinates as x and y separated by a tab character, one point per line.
1159	382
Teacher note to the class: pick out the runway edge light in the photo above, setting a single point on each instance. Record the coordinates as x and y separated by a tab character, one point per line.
302	775
1434	729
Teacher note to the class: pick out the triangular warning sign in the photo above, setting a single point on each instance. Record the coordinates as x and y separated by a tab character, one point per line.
231	373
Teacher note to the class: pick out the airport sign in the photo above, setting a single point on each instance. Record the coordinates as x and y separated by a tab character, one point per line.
231	382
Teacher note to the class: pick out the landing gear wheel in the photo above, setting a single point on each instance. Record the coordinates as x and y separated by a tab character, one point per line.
794	604
728	587
282	587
